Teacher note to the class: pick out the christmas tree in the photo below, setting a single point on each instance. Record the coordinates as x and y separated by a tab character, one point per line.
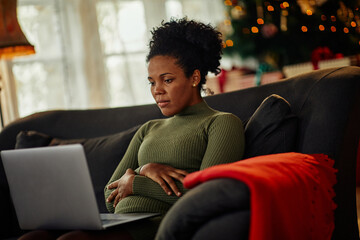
280	33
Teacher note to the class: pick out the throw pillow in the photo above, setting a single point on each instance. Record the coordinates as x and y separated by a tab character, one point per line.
271	129
29	139
103	154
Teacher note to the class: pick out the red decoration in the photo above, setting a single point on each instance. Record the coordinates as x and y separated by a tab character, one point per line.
222	80
320	53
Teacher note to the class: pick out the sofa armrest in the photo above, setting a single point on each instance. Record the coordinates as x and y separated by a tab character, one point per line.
215	202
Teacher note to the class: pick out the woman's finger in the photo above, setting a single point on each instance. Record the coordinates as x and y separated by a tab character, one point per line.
112	185
163	185
169	180
177	176
182	172
117	198
112	195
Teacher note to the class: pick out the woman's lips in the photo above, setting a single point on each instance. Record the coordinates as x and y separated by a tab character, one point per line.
163	104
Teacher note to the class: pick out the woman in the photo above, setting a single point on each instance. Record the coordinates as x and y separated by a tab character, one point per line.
193	137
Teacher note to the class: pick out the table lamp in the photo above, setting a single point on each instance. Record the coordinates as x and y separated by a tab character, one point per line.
12	40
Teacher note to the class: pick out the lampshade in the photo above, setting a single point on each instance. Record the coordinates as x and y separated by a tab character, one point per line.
12	40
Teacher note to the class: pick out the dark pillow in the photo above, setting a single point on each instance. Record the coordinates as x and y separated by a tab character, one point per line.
103	154
29	139
271	129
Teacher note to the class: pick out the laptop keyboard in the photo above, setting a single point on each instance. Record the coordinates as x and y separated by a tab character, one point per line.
110	216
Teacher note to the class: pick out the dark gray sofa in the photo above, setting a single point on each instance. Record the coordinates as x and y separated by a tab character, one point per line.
326	102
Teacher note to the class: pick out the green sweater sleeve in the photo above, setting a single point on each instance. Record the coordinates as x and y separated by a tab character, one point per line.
226	141
147	187
129	160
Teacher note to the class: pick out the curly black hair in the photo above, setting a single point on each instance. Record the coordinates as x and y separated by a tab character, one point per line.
195	45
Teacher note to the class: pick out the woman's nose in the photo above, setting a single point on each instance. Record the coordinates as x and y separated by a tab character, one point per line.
159	89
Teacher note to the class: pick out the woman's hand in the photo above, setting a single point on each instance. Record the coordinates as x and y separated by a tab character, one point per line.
164	175
123	187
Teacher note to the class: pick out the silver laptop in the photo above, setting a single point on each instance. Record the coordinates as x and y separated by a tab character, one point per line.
51	188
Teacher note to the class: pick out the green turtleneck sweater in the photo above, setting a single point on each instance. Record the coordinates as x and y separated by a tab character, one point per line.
196	138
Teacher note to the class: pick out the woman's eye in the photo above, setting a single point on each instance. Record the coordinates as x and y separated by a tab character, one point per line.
151	83
168	80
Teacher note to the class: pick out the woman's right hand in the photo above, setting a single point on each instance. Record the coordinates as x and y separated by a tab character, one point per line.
164	175
122	187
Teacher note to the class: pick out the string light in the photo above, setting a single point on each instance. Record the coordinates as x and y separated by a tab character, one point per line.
333	29
309	12
254	30
260	21
321	27
228	3
270	8
346	30
304	29
229	43
284	5
353	23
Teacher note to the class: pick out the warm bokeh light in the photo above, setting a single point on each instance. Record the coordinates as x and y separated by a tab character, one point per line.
353	24
333	29
229	43
321	27
309	12
304	29
346	30
228	2
254	30
323	18
260	21
238	8
333	18
270	8
227	22
286	4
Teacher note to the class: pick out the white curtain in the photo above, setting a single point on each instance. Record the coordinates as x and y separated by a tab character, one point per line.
89	53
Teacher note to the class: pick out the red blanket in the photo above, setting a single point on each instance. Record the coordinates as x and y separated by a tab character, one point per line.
291	194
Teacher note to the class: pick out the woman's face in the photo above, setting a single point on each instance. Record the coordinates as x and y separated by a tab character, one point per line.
171	89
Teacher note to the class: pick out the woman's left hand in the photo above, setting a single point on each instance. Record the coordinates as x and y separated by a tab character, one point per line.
164	175
123	187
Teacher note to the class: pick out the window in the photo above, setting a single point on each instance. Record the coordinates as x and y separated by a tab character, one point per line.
91	53
39	78
124	50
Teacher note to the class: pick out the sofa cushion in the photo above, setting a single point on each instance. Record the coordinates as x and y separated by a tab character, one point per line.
271	129
107	149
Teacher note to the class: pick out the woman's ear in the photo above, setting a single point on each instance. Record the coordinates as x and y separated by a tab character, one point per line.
196	78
